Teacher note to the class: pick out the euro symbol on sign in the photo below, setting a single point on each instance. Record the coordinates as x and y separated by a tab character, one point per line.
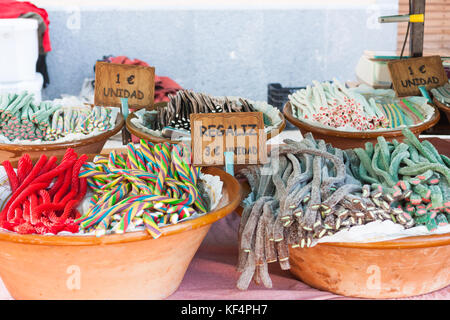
130	79
422	69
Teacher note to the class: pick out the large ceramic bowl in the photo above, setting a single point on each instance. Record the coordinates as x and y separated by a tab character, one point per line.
92	145
346	139
155	139
119	266
389	269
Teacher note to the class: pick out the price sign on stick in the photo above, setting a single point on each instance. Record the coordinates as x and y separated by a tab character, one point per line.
409	74
124	86
214	134
115	81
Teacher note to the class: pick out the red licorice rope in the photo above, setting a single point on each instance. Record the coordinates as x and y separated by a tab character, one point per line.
44	195
24	167
13	180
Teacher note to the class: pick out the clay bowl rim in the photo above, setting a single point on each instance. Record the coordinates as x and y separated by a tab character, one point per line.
433	240
144	135
230	184
287	111
441	106
66	144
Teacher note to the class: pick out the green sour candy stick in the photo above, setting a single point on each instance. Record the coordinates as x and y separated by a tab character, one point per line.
369	149
446	160
424	151
436	197
431	225
441	219
427	144
365	160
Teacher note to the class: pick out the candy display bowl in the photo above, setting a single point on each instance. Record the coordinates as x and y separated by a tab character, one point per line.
89	145
132	265
347	139
390	269
155	139
442	107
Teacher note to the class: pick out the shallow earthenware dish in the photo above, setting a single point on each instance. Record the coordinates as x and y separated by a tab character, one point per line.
132	265
155	139
346	139
89	145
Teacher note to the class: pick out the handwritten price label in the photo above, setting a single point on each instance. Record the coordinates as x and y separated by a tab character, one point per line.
408	74
116	81
215	133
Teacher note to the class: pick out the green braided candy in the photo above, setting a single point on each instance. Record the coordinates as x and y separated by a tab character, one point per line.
415	197
414	154
4	102
422	219
436	197
420	169
16	101
401	147
365	160
25	101
384	153
363	176
386	176
446	160
427	144
421	190
369	149
424	151
395	164
441	219
431	224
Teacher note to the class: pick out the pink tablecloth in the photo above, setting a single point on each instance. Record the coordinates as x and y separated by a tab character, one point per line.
212	274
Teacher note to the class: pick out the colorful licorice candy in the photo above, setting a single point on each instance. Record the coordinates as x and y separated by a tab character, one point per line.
149	186
33	206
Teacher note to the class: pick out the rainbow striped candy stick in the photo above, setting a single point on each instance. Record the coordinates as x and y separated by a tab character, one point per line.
186	178
132	156
141	160
122	226
91	221
151	226
103	226
163	165
148	155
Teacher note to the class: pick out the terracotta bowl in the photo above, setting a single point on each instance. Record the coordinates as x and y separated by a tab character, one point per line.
118	266
155	139
90	145
444	108
345	139
389	269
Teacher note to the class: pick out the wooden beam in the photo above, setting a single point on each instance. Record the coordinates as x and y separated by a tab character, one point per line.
417	30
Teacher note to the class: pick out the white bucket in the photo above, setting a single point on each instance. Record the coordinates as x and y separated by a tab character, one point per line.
19	49
31	86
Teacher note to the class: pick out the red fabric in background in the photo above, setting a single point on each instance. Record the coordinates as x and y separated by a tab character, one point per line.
14	9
